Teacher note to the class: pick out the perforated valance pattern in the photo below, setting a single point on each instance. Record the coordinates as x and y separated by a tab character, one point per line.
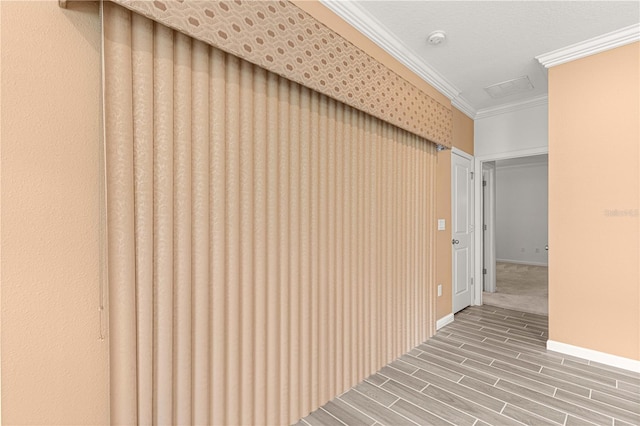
282	38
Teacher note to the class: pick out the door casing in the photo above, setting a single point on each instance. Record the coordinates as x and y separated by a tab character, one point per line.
489	221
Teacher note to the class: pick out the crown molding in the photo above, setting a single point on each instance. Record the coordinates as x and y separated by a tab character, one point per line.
370	27
464	106
592	46
513	106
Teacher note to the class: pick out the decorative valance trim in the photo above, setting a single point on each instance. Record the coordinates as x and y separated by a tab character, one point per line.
282	38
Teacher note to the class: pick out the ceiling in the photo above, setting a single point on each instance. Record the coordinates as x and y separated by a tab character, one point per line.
488	42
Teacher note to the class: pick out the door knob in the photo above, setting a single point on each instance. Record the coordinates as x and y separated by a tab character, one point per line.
546	247
454	241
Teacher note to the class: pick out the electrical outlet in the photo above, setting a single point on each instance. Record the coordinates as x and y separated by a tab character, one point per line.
439	290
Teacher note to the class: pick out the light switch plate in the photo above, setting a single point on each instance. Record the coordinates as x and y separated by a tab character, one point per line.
441	225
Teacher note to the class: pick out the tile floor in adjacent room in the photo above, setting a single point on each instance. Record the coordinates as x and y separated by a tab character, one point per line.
489	367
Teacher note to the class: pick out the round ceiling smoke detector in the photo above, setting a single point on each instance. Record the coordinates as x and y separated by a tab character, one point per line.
437	37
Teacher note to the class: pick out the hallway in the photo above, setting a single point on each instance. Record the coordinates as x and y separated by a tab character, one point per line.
489	367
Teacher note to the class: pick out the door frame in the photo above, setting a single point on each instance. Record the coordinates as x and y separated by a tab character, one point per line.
489	220
478	207
472	245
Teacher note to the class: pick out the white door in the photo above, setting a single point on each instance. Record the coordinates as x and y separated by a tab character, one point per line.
462	230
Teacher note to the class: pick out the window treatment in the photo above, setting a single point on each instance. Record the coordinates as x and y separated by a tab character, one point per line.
268	246
282	38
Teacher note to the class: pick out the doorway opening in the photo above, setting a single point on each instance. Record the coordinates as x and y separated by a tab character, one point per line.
514	220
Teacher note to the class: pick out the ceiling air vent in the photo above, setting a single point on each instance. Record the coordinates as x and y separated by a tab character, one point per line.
509	87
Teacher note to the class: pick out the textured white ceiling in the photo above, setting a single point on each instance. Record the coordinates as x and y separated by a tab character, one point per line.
487	41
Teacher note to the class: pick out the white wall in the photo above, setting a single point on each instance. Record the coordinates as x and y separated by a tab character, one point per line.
521	213
512	134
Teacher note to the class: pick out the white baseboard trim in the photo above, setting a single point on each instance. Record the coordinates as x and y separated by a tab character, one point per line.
447	319
522	262
591	355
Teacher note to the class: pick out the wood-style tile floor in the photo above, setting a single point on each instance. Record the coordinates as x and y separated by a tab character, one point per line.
488	367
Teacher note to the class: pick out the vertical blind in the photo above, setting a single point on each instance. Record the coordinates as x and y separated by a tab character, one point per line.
268	246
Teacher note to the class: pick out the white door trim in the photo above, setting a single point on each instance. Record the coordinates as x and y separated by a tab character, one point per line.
489	236
461	153
474	257
477	211
513	154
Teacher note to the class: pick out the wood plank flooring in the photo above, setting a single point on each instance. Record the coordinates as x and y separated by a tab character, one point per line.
489	367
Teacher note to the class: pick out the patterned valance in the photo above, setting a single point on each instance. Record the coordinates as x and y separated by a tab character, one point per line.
282	38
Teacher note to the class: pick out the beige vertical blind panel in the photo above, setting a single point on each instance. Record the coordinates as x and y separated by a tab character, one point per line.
269	247
282	38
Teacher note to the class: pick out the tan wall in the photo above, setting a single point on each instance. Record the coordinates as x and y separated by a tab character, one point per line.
462	131
594	129
54	366
463	140
443	238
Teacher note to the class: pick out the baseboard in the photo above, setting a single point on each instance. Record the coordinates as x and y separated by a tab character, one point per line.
522	262
447	319
591	355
